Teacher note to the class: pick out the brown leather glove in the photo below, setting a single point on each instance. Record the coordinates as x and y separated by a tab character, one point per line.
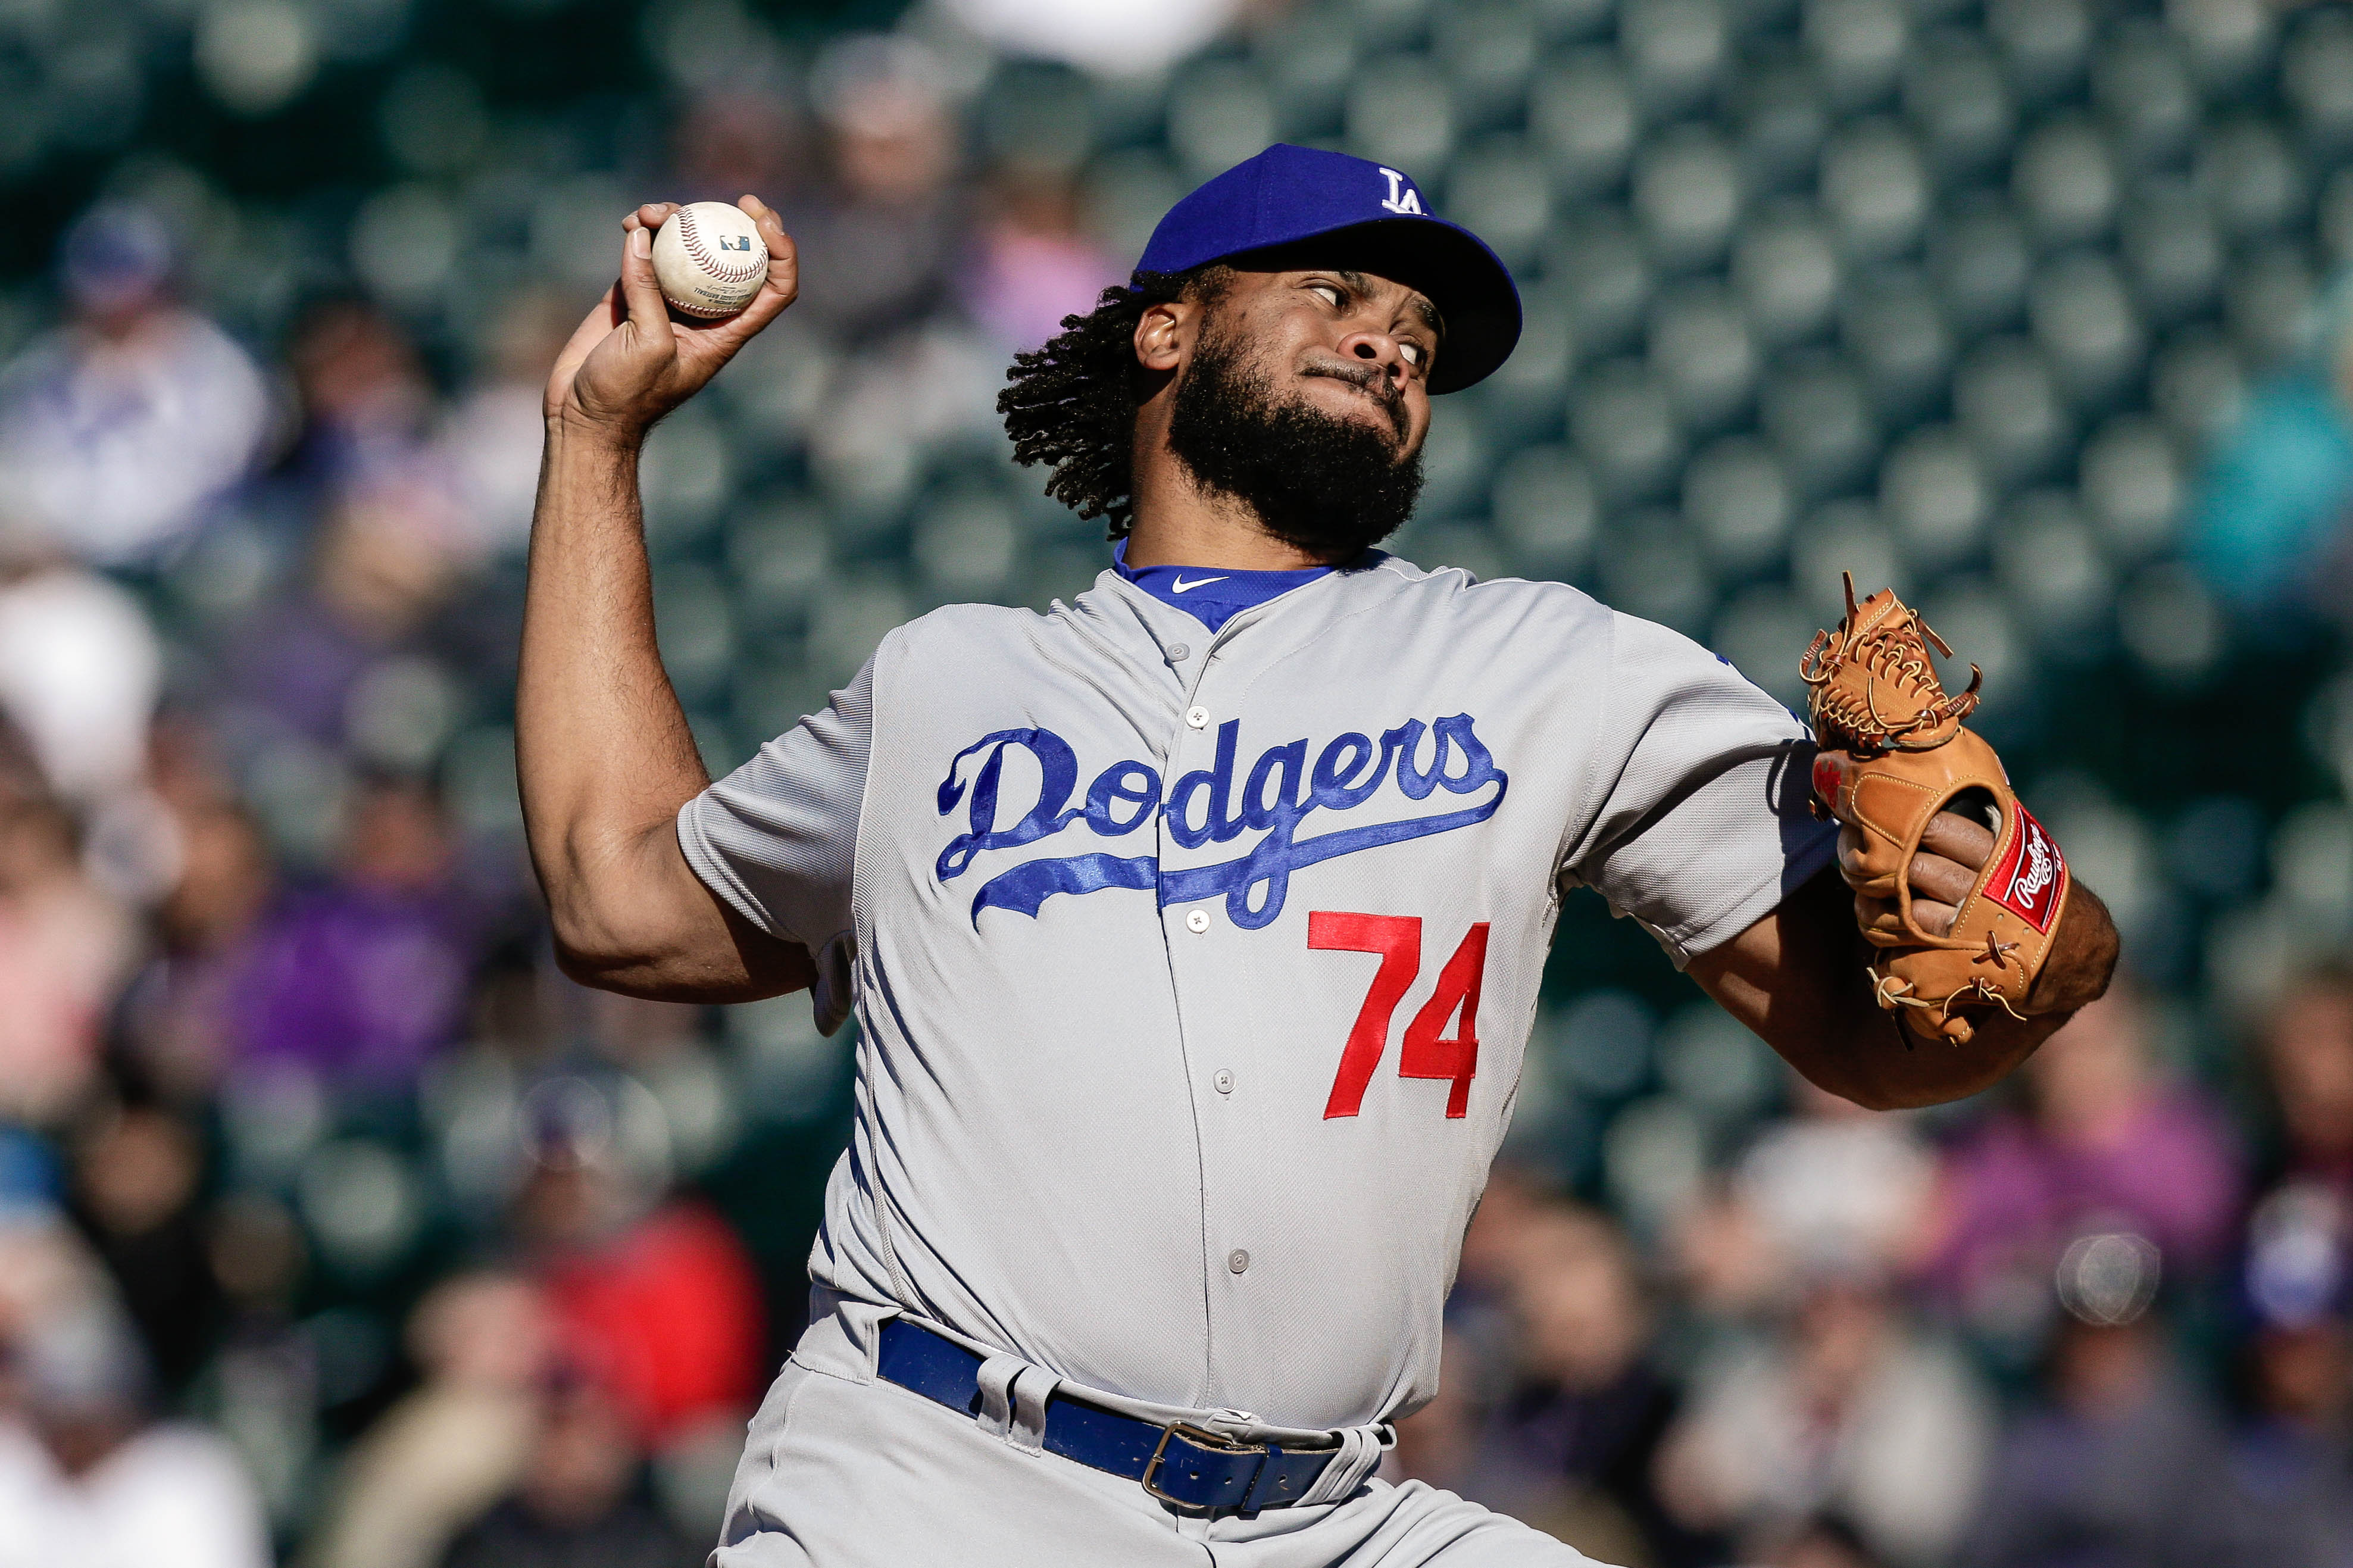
1875	696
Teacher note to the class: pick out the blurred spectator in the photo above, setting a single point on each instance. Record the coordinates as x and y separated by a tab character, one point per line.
119	430
178	1020
2107	1141
437	1460
740	140
2295	1453
65	947
1569	1445
2308	1059
1033	262
79	672
1850	1408
2121	1464
2270	529
2293	1459
491	437
880	244
262	1388
654	1299
877	246
136	1172
1119	40
579	1503
363	977
382	563
91	1481
367	405
1500	1230
1834	1188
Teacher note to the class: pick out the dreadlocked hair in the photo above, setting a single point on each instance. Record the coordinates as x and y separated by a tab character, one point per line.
1072	404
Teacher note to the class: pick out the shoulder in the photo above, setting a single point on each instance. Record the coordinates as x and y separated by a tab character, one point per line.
1096	620
939	660
969	627
943	638
1455	592
1561	616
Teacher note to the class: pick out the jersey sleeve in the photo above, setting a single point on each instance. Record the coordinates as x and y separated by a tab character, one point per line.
777	838
1696	821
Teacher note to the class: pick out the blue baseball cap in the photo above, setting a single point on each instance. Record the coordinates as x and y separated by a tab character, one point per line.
1289	194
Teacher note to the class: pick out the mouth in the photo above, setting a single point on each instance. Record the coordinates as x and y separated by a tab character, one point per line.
1370	380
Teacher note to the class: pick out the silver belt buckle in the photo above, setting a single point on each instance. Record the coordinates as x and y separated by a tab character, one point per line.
1201	1438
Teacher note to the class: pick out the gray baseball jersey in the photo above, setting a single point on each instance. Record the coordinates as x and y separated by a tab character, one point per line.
1194	972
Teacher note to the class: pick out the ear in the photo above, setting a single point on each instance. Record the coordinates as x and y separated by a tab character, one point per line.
1159	334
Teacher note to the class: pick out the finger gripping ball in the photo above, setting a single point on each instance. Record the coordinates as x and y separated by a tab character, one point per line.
1876	699
710	259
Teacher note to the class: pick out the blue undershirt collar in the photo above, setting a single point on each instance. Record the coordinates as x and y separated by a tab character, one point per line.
1208	595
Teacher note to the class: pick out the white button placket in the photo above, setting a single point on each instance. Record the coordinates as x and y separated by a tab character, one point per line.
1196	930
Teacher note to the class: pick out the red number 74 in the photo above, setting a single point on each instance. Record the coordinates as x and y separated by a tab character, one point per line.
1397	939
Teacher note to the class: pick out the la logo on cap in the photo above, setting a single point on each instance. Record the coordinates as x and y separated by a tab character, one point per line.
1402	197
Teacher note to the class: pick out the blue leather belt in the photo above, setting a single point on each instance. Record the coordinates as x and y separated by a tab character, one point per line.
1177	1464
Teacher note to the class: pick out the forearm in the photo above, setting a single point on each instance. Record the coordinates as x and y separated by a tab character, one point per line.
1799	980
1850	1046
604	755
1932	1070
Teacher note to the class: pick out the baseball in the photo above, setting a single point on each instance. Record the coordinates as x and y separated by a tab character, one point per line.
708	260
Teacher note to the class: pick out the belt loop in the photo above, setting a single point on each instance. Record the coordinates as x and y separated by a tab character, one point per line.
1360	1452
996	1378
1032	1386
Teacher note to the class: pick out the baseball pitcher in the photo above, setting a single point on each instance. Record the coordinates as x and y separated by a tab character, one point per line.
1194	927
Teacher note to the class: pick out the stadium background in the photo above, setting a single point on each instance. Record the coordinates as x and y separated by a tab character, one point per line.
325	1202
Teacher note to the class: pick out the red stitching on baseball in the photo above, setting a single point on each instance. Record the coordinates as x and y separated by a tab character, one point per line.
726	272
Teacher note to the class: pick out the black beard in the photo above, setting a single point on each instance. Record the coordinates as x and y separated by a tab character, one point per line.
1332	487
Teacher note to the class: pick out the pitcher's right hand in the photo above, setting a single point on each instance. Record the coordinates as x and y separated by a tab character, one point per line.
631	363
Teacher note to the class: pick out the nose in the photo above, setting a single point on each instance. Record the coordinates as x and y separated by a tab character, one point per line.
1377	348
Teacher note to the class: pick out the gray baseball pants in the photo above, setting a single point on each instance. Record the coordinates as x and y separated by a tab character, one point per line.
842	1474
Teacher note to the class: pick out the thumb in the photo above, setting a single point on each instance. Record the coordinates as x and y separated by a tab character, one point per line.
646	310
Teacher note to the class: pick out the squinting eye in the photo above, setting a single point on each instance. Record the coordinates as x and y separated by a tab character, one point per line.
1330	295
1411	353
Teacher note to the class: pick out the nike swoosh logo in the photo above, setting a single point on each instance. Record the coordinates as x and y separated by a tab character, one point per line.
1181	586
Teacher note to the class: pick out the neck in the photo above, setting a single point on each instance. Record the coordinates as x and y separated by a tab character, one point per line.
1178	524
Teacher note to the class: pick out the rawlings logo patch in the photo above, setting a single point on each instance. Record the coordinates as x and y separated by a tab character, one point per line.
2031	882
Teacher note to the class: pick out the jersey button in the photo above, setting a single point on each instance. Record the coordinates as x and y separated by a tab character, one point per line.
1199	717
1196	921
1225	1082
1179	652
1237	1260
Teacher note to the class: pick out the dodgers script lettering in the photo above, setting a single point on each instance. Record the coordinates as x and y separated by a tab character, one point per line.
1280	793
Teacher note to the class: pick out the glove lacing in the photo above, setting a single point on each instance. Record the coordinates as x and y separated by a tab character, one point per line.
1889	651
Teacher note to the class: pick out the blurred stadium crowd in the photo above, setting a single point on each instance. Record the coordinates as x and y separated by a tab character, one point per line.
336	1228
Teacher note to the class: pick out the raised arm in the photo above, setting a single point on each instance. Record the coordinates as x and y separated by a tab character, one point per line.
1798	979
603	754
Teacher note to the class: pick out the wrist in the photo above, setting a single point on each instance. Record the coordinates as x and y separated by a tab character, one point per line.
568	429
